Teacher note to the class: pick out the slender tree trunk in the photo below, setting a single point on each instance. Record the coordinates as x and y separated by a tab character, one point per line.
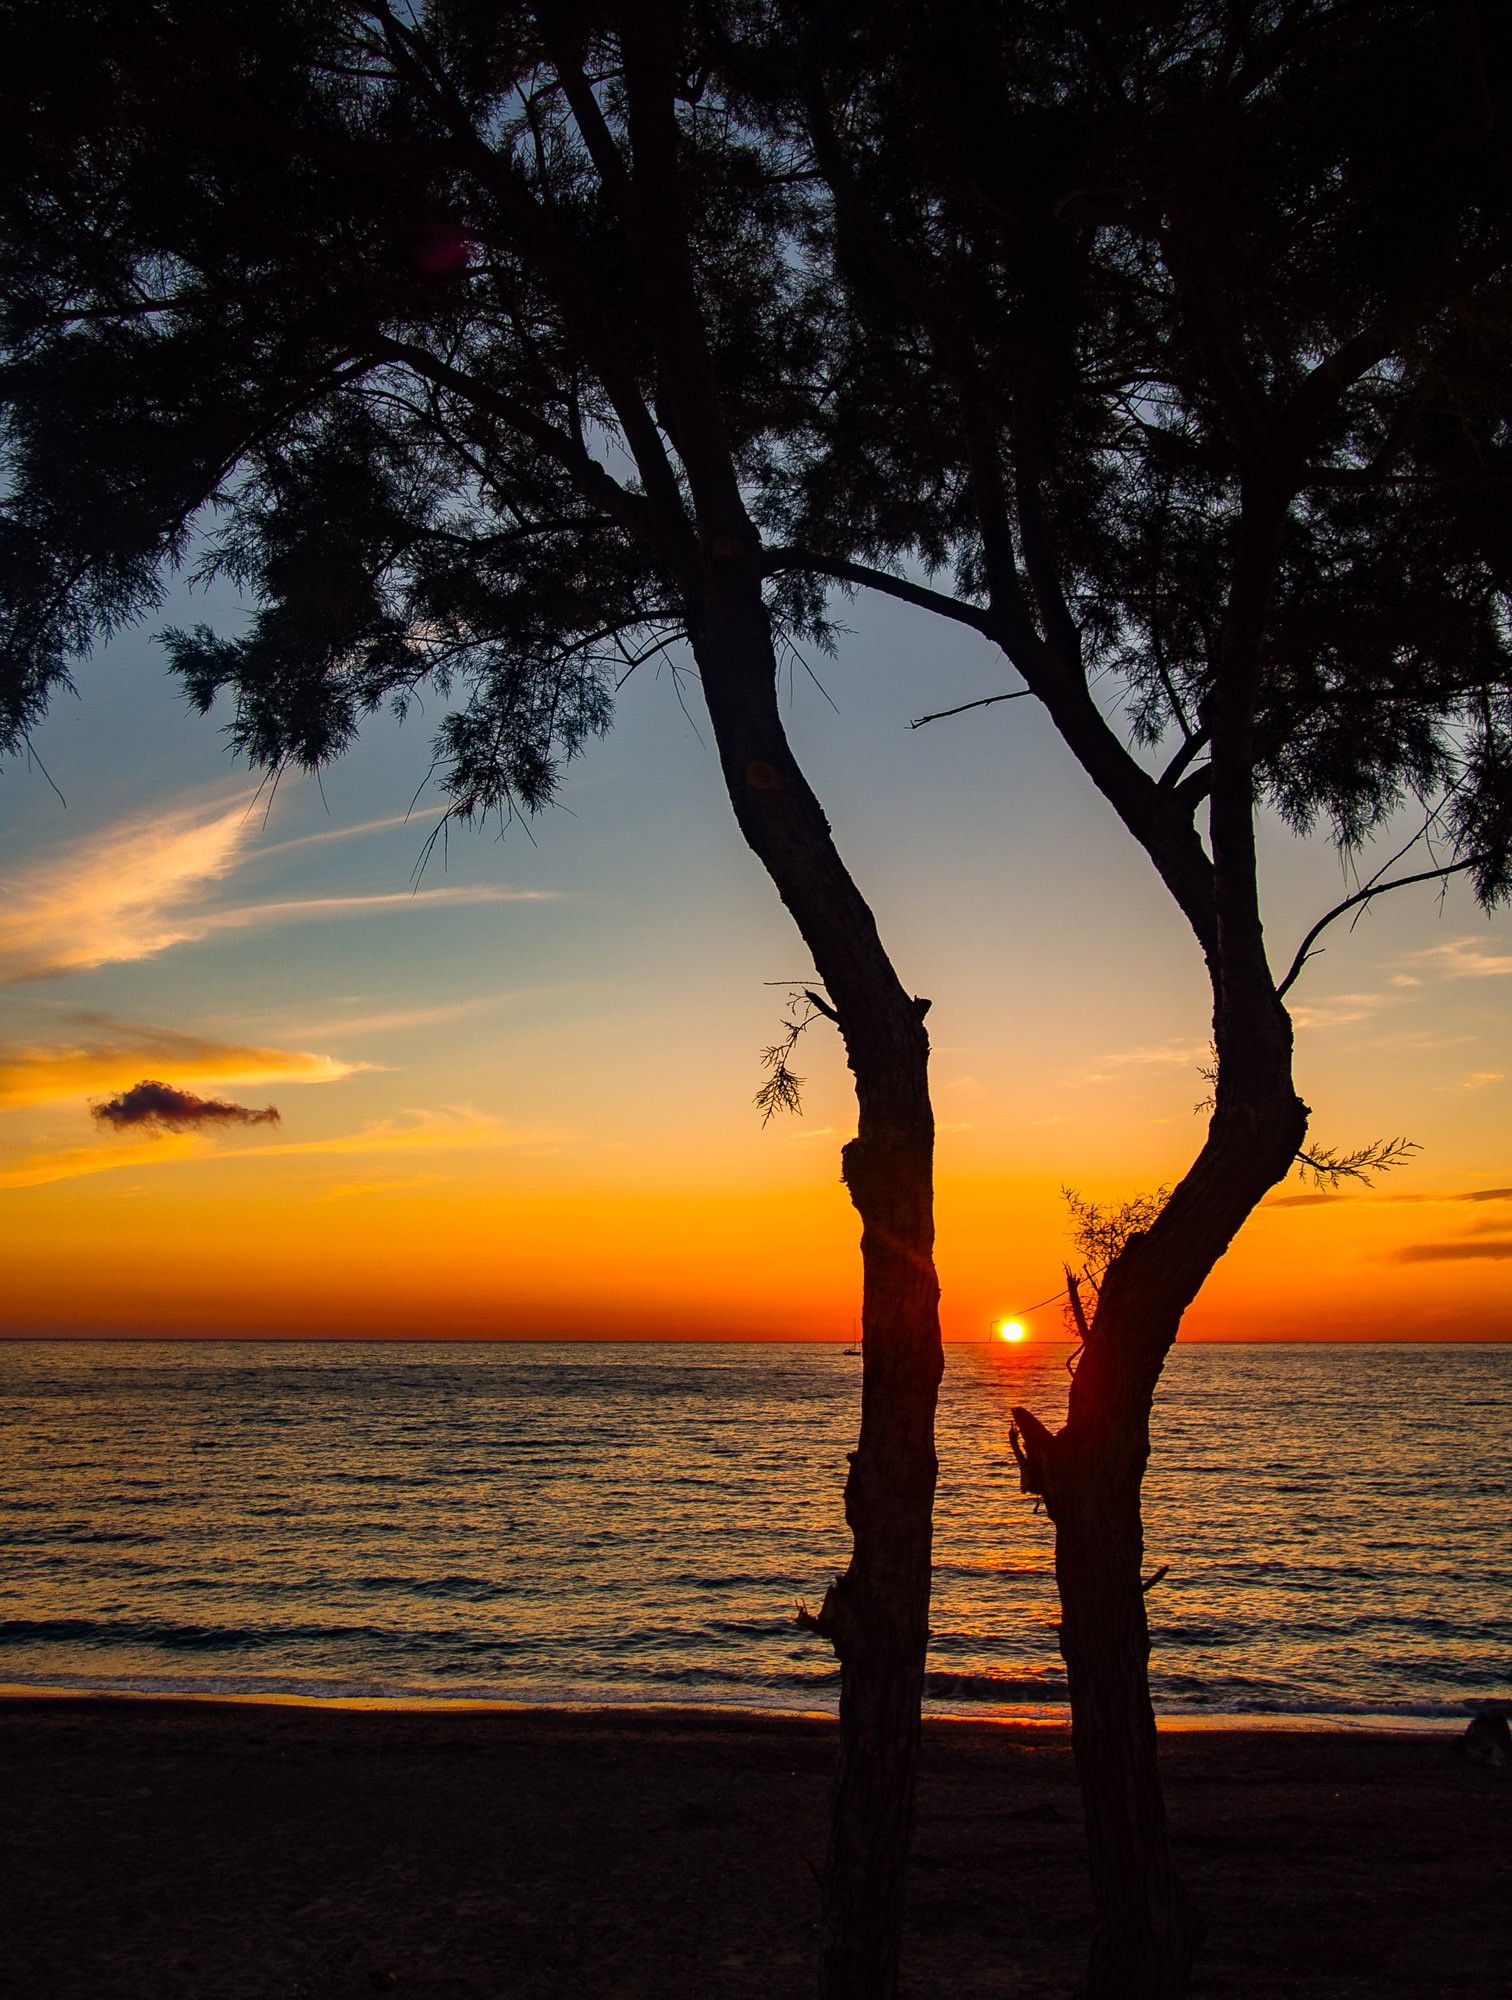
1091	1473
877	1614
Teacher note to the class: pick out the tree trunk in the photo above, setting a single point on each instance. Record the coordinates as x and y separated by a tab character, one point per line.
877	1614
1090	1474
1146	1931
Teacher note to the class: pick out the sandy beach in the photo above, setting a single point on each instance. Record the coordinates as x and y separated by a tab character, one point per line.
223	1851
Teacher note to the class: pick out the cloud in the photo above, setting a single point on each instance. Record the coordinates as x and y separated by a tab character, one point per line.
136	889
1375	1200
42	1169
330	833
161	1108
1465	958
1454	1253
246	915
121	893
412	1017
450	1128
1478	1079
1338	1010
403	1184
109	1054
1182	1055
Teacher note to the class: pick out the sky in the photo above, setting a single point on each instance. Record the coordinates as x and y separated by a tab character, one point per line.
514	1096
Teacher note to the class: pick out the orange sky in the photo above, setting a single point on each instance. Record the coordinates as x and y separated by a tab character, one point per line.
517	1101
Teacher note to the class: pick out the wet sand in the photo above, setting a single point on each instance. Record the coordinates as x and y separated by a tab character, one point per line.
196	1851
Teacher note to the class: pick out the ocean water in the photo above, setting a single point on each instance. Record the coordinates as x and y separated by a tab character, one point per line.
634	1524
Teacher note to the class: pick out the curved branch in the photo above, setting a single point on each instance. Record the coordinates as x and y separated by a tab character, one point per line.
864	577
1304	950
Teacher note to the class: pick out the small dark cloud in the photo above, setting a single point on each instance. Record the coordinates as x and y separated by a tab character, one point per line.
164	1109
1303	1200
1488	1194
1453	1253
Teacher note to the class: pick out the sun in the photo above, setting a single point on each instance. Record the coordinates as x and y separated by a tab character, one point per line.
1010	1329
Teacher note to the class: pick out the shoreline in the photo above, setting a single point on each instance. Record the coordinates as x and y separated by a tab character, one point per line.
1051	1716
162	1849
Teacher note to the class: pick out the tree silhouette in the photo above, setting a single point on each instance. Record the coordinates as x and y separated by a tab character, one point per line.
1165	348
474	334
1171	355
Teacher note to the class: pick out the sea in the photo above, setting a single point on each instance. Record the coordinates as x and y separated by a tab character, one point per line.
634	1524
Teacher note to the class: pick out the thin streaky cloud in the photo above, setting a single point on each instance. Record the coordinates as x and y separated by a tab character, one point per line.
1378	1200
78	1162
120	1053
1338	1010
450	1128
400	1019
1466	958
328	834
1160	1055
1454	1253
135	889
298	909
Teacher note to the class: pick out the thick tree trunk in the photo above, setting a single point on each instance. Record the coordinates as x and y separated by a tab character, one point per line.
1146	1930
877	1614
1091	1473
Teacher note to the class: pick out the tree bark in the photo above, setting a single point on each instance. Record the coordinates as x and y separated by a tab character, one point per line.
877	1614
1090	1475
1146	1931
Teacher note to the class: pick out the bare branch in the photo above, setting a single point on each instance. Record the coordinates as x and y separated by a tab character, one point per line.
986	701
1366	895
813	561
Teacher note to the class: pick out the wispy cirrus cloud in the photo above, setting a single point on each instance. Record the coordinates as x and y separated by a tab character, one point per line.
448	1128
1390	1200
1465	958
400	1018
1337	1010
80	1162
138	888
456	1128
1157	1055
1463	1250
104	1055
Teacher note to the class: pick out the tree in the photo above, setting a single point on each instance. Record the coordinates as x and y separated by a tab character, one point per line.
1172	351
473	333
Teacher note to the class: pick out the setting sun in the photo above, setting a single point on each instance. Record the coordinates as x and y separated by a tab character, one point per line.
1010	1329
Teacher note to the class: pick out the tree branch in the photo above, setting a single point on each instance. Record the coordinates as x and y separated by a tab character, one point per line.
987	700
1366	895
815	563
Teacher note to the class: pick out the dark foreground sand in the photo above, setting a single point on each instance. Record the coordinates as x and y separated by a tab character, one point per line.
157	1851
